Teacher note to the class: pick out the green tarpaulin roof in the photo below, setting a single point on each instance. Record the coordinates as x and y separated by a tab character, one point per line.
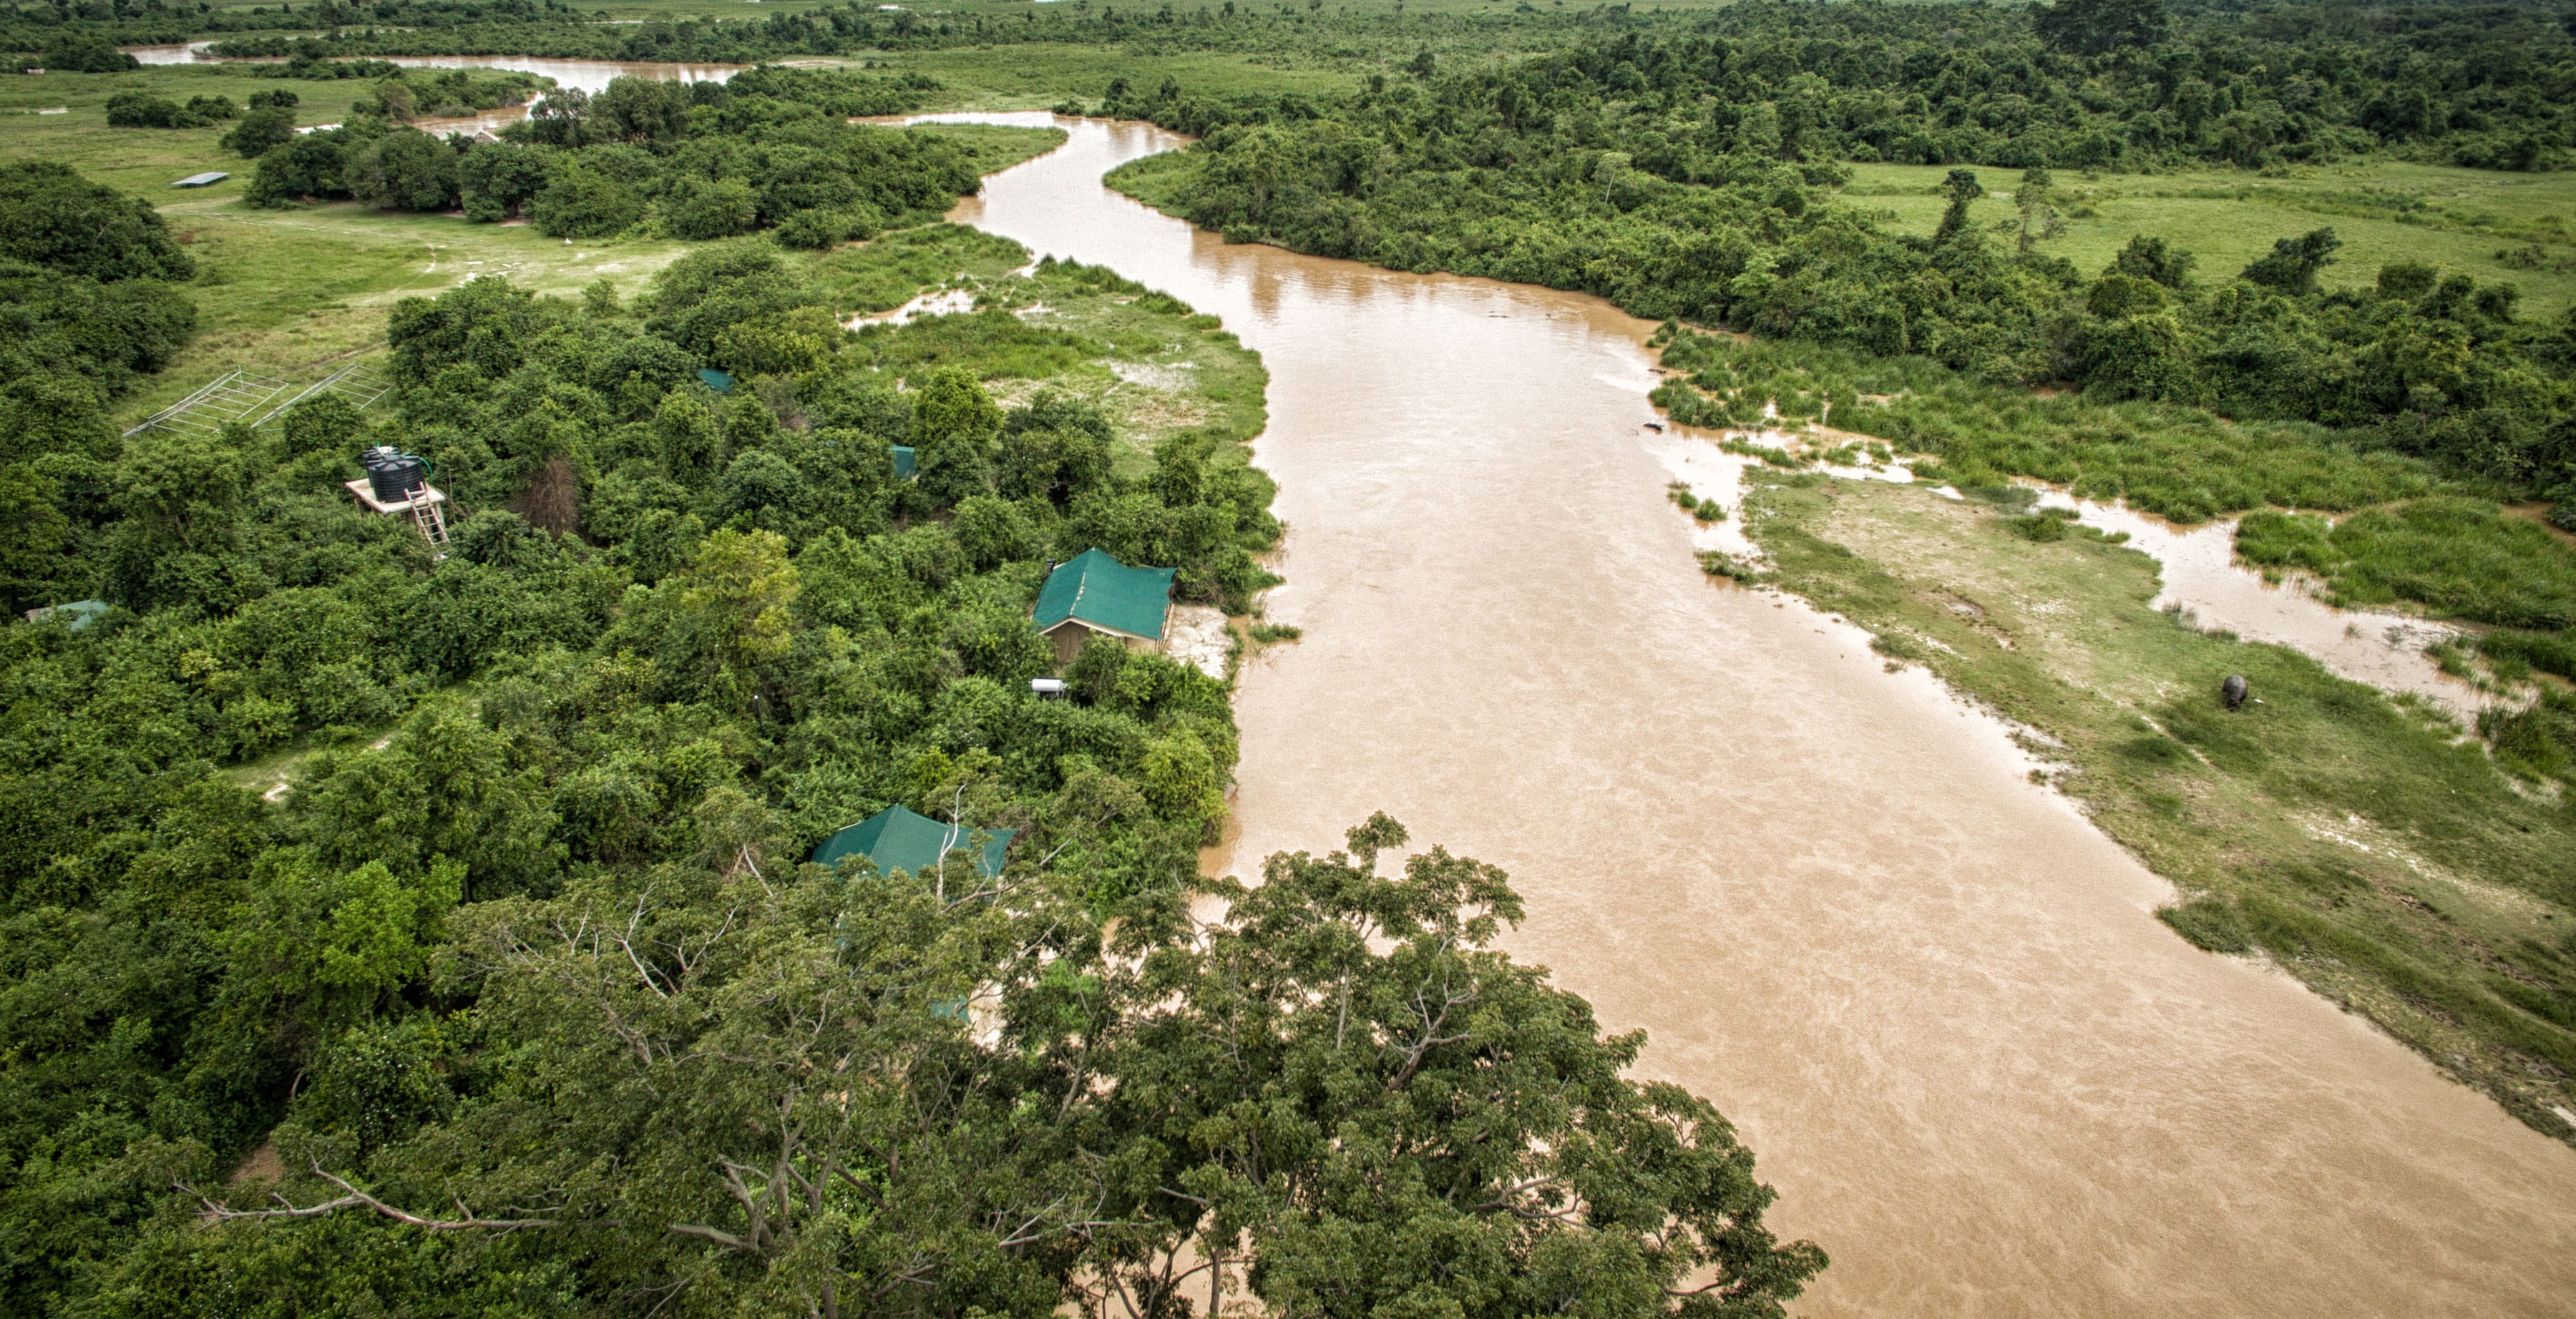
906	462
898	839
714	379
1103	592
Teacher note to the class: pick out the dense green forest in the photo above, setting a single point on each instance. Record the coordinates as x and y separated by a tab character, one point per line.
512	992
429	929
2082	84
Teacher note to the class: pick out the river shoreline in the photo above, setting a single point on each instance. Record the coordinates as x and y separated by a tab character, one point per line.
1831	893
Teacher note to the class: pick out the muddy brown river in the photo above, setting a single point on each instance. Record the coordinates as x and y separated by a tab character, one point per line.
1930	995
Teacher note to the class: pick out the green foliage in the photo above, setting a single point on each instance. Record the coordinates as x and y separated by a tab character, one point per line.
2209	923
2462	557
262	128
141	109
2097	27
51	217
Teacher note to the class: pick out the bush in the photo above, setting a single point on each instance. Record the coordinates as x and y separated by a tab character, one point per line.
580	202
814	230
405	170
140	110
702	211
84	53
265	127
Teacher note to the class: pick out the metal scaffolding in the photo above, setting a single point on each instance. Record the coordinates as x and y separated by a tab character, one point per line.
236	396
361	385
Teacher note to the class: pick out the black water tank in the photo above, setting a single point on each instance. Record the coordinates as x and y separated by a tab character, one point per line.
393	475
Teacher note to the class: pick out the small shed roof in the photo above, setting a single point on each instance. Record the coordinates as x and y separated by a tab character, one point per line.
76	615
900	839
906	462
715	379
1101	592
211	176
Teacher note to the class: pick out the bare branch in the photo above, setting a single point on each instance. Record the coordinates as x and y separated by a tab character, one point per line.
359	1199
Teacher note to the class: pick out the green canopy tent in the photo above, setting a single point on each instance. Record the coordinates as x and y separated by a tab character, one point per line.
899	839
1093	592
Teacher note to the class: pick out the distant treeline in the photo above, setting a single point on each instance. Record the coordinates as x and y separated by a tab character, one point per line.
2084	83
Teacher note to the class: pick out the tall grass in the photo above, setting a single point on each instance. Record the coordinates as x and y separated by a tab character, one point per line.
2462	557
2181	463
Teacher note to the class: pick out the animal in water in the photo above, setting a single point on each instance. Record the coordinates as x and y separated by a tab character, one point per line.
2232	691
1655	426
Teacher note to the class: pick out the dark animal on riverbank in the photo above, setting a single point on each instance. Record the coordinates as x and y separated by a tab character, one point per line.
1655	426
2232	691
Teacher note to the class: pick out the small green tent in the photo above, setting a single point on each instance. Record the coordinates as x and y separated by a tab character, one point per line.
1101	593
906	462
716	380
899	839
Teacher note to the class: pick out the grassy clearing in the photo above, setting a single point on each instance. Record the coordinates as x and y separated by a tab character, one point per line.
287	292
878	276
145	161
2360	843
2383	210
1153	366
282	292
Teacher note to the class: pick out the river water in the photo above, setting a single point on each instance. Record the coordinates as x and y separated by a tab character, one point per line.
1930	995
587	75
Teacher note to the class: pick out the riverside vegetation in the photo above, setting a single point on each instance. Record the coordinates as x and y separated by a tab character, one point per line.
514	991
429	932
2374	431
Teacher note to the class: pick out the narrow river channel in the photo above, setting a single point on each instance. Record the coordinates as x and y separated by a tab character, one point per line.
1930	995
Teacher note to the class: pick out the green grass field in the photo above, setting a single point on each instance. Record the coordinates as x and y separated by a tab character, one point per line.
145	161
2382	210
285	292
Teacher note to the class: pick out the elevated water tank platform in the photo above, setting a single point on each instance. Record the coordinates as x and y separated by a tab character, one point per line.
421	497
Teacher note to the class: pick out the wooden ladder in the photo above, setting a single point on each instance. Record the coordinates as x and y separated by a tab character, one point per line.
425	514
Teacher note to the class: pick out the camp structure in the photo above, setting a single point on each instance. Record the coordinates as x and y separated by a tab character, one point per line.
899	839
907	462
719	381
74	616
1096	593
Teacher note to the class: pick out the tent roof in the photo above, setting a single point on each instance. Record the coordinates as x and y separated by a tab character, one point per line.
906	461
899	839
714	379
1097	589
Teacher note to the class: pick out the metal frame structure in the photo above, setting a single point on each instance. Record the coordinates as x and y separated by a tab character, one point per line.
234	397
361	385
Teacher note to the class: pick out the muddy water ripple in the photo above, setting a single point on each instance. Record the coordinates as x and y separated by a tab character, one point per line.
1929	993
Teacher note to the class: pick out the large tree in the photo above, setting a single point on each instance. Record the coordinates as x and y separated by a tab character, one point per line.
735	1082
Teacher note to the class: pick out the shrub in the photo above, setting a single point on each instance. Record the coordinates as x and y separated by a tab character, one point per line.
265	127
579	202
814	230
140	110
701	211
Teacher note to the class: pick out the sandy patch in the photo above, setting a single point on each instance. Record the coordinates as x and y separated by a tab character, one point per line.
1196	634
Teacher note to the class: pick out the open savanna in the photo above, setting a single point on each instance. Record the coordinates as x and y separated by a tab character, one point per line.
289	292
2383	210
